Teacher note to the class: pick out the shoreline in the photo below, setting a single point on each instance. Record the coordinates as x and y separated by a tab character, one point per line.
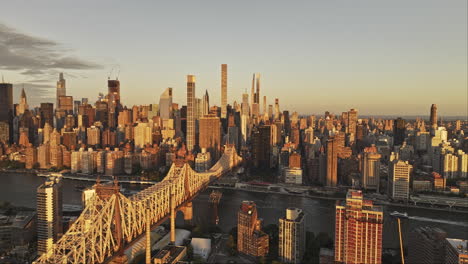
341	199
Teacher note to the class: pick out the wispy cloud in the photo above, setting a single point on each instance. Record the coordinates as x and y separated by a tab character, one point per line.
33	55
39	60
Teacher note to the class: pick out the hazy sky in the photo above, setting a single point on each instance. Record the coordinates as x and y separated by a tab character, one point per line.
381	57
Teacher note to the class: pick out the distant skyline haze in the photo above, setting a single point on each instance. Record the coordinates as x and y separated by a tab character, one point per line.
382	58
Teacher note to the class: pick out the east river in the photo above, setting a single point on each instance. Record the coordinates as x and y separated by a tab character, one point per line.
20	190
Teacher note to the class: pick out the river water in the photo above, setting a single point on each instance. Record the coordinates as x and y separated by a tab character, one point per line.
20	190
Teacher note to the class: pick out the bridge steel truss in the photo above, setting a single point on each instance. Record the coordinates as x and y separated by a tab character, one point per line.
95	236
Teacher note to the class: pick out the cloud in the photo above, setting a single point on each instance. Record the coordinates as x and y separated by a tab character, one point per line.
34	55
39	60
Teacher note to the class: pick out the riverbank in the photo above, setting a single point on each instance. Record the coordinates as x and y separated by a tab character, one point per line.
377	202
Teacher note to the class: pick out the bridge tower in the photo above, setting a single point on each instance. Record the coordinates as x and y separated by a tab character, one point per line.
104	192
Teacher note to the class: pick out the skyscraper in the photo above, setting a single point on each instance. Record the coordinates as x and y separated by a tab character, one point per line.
206	104
370	166
223	90
23	104
426	245
251	240
358	230
49	214
210	135
335	149
165	104
352	123
292	236
434	116
6	102
61	89
47	114
399	130
190	137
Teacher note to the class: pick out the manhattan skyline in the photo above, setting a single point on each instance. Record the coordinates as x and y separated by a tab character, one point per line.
390	58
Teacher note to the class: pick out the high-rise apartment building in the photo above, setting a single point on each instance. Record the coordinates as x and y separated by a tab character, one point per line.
399	130
190	137
251	240
426	245
399	179
370	169
61	89
292	236
223	90
261	147
335	149
49	214
456	251
210	135
358	230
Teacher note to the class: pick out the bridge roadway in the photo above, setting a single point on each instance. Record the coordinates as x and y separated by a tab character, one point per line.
110	221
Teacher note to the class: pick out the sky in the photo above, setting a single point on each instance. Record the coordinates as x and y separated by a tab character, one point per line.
381	57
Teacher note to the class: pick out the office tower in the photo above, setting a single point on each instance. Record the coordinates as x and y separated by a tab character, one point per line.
206	104
102	113
358	230
251	240
292	236
6	111
47	114
233	132
261	146
203	161
61	89
49	214
433	116
23	104
165	104
399	130
56	156
426	245
265	113
198	109
352	124
223	90
190	137
399	178
210	135
255	93
456	251
370	169
65	105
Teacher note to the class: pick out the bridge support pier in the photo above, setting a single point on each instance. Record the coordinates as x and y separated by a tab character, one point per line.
187	210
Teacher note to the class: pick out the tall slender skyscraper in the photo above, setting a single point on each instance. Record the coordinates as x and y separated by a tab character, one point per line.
49	214
23	105
434	116
61	89
190	112
206	104
358	230
223	90
165	104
